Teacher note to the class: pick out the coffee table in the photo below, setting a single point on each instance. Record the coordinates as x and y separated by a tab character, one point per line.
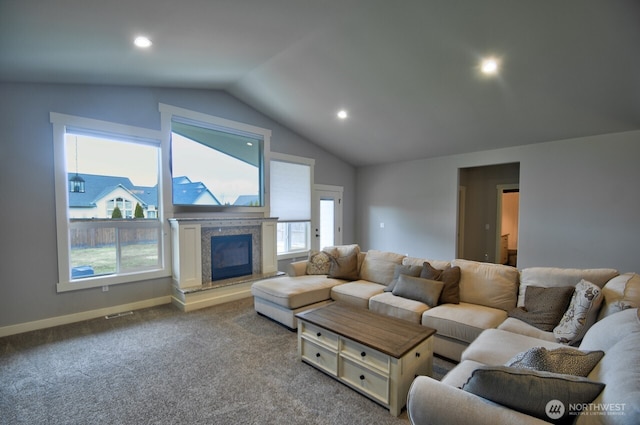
378	356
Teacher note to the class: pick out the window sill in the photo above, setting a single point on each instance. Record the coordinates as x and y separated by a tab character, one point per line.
293	255
108	280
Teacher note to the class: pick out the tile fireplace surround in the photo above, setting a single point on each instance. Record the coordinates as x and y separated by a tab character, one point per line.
191	252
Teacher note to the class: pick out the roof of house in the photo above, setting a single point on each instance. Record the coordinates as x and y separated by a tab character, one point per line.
185	191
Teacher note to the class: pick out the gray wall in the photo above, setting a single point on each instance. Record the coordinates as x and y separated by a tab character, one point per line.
579	203
28	264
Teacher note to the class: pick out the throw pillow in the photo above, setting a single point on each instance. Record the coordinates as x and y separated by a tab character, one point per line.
530	391
451	279
418	289
379	266
581	314
543	307
344	267
401	269
319	262
569	361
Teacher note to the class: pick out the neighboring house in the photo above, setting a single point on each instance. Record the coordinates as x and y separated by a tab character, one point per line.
103	193
247	200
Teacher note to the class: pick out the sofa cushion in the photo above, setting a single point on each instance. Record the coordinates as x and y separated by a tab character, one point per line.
319	262
517	326
496	346
581	314
620	371
463	322
400	307
344	267
379	266
342	250
553	276
410	270
294	292
613	293
414	261
530	391
418	289
450	276
605	333
490	285
357	293
543	307
570	361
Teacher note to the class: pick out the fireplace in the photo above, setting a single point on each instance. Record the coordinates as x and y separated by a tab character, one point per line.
231	256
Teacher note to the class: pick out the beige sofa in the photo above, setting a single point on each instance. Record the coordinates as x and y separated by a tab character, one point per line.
479	328
526	397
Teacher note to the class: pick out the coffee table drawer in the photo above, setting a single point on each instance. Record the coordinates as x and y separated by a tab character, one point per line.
319	356
365	355
365	380
320	335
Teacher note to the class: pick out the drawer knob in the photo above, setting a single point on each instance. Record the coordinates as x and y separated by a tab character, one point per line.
363	354
362	377
317	354
417	354
319	334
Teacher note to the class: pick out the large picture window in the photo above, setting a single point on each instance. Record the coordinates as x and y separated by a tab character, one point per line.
215	162
108	203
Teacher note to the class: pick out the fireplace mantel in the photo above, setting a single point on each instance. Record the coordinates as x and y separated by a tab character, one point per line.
187	235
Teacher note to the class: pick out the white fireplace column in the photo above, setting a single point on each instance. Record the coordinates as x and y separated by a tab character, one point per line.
186	237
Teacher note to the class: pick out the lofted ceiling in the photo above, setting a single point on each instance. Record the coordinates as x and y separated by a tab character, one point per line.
406	71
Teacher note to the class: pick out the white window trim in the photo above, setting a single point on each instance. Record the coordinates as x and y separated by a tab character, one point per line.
167	112
275	156
60	124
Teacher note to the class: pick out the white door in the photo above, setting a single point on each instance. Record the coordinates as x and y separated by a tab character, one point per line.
326	223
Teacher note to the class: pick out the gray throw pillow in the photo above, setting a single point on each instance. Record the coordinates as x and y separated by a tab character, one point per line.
530	391
403	269
418	289
544	307
569	361
344	267
451	279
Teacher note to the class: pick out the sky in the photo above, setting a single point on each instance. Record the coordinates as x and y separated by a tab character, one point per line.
225	179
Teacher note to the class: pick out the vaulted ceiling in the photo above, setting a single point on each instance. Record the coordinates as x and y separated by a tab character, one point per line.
406	71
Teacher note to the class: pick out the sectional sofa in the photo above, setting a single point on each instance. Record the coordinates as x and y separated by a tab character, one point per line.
485	315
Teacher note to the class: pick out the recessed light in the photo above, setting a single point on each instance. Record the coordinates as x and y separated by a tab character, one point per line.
342	114
142	41
489	66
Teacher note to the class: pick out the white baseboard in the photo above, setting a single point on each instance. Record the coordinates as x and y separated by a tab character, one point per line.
202	299
79	317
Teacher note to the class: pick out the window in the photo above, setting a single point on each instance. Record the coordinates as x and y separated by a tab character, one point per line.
216	163
291	182
108	203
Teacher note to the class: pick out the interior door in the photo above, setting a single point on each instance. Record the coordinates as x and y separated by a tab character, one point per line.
326	222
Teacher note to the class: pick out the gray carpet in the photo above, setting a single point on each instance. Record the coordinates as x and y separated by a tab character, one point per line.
220	365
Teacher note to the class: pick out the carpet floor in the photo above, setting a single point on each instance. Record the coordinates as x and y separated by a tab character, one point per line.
220	365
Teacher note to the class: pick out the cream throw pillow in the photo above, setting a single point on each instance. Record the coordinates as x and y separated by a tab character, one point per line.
581	314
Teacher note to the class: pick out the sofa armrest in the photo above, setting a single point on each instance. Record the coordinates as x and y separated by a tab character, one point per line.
432	402
297	268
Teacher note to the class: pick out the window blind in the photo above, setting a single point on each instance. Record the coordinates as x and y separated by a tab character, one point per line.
290	191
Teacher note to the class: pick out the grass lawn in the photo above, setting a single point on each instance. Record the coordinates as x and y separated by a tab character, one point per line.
103	260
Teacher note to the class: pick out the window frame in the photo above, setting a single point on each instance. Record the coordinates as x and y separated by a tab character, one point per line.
167	114
310	162
61	123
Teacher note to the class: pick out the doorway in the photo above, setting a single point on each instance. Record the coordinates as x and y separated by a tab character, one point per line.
508	207
480	229
326	224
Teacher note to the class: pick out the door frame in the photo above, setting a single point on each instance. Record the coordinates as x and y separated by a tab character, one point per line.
325	191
